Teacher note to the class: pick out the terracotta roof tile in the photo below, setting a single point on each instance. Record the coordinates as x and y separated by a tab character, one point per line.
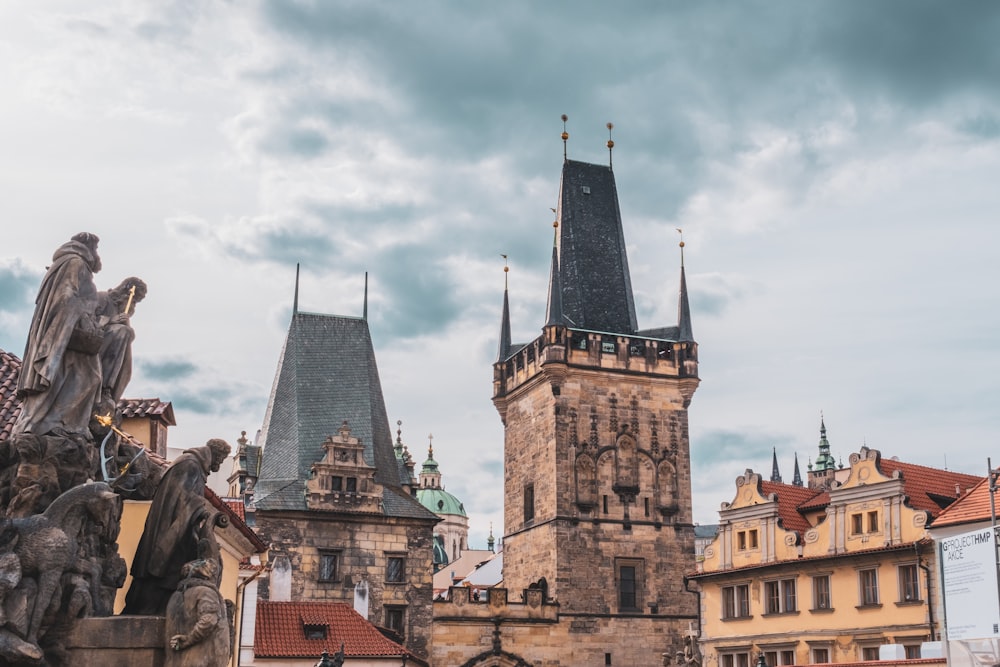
10	407
237	506
973	506
280	632
790	498
147	407
923	485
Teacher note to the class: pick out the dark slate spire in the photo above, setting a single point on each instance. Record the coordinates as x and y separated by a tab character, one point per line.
554	310
775	474
295	302
593	268
504	350
684	333
326	376
797	476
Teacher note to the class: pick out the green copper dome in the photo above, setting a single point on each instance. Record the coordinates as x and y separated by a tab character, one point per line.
440	501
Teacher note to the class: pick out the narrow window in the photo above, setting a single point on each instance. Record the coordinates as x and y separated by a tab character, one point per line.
741	540
868	580
788	596
912	651
909	584
395	570
352	484
771	657
605	504
629	580
821	592
328	565
873	522
788	657
337	483
820	656
772	597
869	653
646	503
753	538
529	502
857	527
395	619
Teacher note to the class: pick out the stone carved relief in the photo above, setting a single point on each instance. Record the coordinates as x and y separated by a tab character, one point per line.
586	481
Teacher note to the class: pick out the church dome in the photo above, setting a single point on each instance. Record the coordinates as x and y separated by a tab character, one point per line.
440	501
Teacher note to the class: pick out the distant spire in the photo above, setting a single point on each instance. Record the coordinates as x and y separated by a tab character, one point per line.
554	310
797	476
364	312
295	302
398	447
565	137
775	474
824	460
611	145
490	541
684	332
504	350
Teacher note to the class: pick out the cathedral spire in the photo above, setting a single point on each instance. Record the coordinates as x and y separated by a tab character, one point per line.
364	311
825	460
295	301
684	332
504	350
775	474
797	476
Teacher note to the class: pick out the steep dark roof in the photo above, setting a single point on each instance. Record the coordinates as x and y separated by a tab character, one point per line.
593	268
326	375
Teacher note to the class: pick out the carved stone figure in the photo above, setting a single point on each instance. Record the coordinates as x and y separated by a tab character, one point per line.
60	380
197	627
178	518
114	309
46	585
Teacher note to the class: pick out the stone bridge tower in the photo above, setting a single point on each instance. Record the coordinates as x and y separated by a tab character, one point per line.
596	452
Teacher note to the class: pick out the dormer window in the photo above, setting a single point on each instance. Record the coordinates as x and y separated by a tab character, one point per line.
314	630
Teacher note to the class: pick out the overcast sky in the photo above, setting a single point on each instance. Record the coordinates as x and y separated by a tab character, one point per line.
834	166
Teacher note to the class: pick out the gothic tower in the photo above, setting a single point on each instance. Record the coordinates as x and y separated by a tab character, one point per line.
596	452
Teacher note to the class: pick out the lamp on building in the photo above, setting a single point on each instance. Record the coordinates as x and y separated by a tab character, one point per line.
761	660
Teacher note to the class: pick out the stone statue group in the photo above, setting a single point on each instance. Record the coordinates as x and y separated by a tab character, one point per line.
65	471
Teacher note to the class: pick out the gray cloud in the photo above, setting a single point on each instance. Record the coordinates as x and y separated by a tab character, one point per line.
167	369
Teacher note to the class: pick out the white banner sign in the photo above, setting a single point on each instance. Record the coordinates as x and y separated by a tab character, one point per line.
969	566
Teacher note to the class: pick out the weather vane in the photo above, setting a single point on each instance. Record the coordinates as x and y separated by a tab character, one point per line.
565	136
611	144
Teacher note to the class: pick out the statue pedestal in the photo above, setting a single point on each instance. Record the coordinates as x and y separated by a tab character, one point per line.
117	641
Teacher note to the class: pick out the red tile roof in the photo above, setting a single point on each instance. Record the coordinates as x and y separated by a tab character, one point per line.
790	498
10	407
280	632
922	484
225	506
147	407
237	506
973	506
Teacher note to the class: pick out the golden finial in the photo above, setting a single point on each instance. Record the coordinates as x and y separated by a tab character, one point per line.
565	136
430	445
506	269
681	232
611	143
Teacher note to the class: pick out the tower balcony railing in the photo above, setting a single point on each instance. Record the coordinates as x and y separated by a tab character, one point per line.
599	350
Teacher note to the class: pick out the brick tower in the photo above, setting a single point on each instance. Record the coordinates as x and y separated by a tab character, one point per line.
596	452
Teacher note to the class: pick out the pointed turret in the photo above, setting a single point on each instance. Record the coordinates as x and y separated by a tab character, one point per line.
554	310
684	333
797	476
825	460
775	474
504	350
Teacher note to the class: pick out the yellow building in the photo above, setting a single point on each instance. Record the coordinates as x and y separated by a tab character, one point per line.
827	573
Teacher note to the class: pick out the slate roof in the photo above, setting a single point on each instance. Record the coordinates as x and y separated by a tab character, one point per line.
10	406
280	632
593	267
974	506
326	375
147	407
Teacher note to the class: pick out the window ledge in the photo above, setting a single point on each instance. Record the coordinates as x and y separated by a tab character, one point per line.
781	613
909	603
877	605
737	618
821	610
